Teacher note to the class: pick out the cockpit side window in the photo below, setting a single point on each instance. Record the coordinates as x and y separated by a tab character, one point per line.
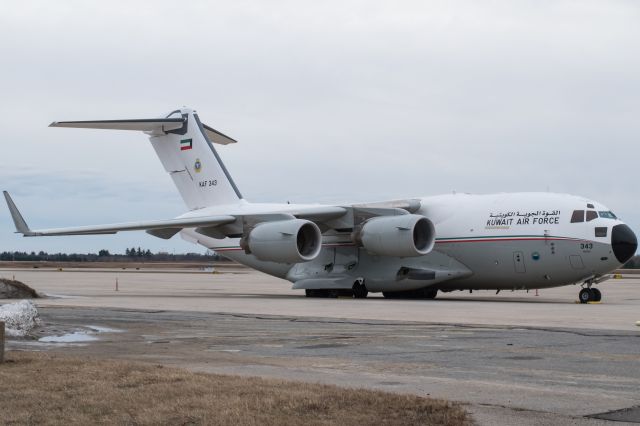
601	231
608	215
577	216
591	215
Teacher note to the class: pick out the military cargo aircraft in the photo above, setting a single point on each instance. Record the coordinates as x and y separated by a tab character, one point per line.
409	248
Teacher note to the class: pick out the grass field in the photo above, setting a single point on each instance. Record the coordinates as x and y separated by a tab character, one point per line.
39	388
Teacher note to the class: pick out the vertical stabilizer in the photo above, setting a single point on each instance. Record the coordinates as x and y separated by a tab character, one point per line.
185	148
188	155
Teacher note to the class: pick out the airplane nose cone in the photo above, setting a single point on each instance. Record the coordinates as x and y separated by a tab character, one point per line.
623	242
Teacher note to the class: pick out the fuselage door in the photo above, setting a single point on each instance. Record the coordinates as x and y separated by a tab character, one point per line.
518	262
576	262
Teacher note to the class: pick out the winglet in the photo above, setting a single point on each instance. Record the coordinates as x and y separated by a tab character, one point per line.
18	220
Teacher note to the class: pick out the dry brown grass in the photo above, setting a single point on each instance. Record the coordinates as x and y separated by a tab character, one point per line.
12	289
38	388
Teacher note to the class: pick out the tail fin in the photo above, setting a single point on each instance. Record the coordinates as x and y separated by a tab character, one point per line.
184	146
188	155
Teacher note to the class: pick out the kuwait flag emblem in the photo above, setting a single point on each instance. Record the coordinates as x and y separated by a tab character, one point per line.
186	144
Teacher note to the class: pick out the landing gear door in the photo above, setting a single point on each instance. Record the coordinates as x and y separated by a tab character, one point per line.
346	259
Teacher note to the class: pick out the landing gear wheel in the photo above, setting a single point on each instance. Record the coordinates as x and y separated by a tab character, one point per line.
360	290
430	293
316	293
595	293
586	295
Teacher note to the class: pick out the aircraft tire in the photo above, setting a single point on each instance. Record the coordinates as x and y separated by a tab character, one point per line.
406	295
360	291
596	294
586	295
316	293
430	293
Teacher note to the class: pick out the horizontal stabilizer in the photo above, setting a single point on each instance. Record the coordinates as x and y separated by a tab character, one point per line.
217	137
144	125
152	125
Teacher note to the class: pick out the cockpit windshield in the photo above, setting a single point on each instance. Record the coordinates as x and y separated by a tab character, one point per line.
577	216
607	215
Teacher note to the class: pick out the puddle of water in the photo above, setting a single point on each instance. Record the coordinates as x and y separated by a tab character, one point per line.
61	296
76	337
100	329
79	336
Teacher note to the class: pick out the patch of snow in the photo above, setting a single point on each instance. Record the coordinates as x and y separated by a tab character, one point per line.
75	337
19	318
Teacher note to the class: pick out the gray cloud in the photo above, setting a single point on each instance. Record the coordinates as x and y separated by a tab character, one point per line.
329	100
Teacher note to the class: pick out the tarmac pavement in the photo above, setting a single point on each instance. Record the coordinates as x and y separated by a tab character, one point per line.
512	358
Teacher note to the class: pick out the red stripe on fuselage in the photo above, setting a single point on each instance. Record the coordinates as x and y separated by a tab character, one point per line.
496	240
483	240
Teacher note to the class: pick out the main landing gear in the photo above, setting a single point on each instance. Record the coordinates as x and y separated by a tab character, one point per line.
358	291
589	294
421	293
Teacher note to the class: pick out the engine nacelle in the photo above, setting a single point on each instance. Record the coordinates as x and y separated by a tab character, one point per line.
397	236
284	241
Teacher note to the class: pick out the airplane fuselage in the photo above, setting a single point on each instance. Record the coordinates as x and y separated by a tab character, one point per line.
497	241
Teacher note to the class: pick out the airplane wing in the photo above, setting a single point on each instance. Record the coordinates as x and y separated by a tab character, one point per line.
167	228
326	217
162	228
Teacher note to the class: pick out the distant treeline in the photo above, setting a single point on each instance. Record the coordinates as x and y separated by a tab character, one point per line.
132	254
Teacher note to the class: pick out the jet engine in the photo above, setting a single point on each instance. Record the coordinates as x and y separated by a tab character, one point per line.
284	241
398	236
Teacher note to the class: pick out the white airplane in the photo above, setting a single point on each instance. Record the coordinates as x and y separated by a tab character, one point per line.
409	248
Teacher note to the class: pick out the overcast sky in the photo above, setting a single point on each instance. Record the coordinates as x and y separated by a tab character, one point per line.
330	101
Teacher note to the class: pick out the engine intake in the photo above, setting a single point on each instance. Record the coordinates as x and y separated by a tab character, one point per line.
398	236
284	241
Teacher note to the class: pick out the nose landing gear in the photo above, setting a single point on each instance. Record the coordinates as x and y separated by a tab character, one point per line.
589	294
